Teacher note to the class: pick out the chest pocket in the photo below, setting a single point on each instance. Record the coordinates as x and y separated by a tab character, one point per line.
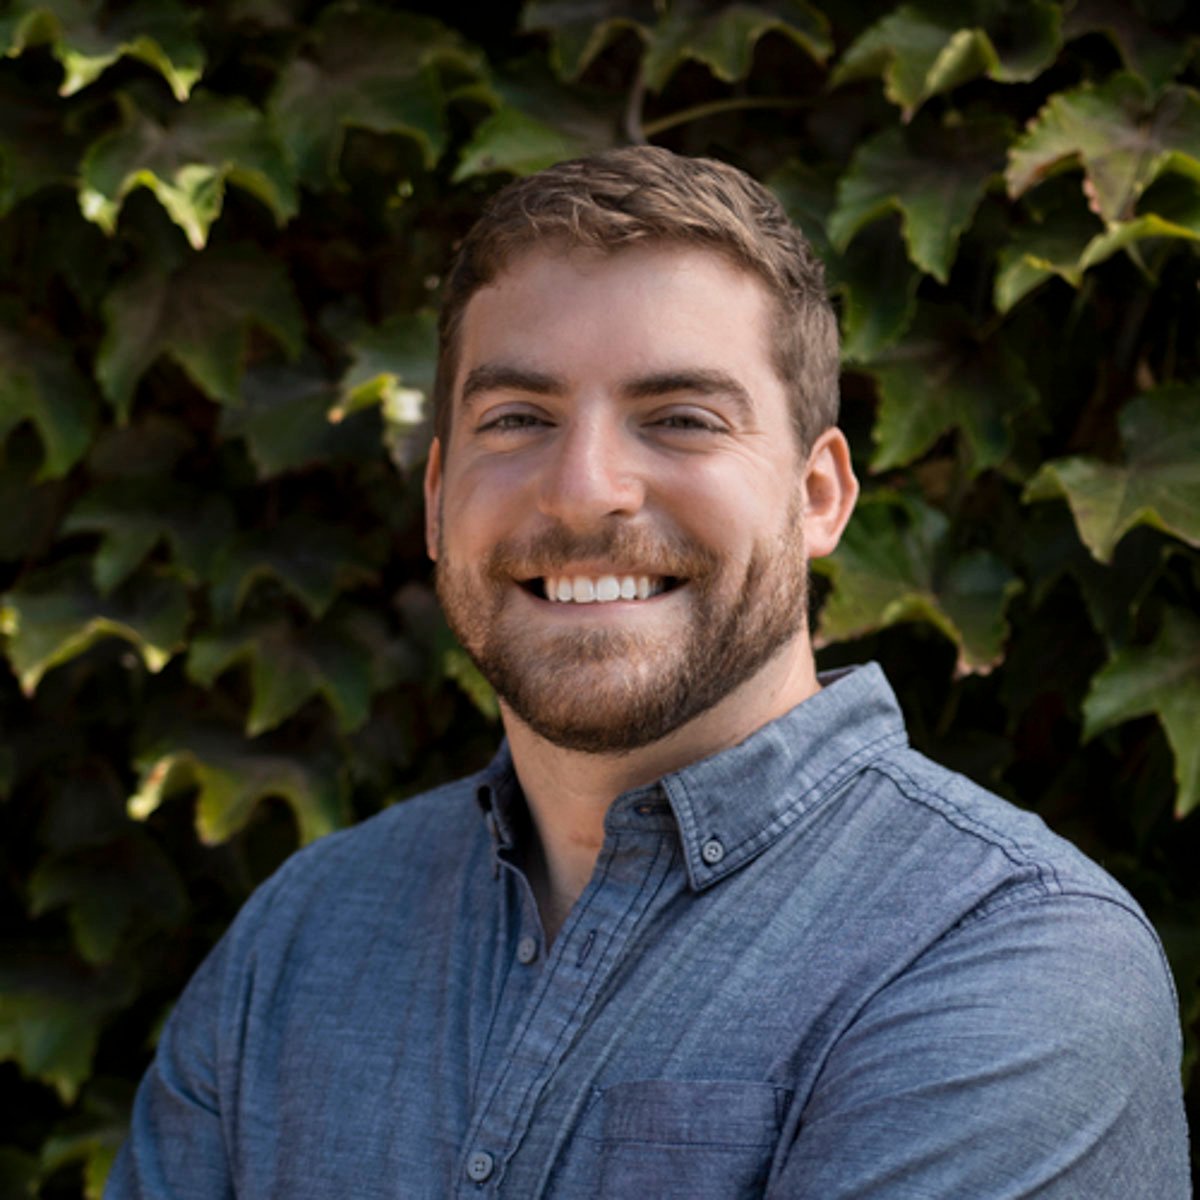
687	1140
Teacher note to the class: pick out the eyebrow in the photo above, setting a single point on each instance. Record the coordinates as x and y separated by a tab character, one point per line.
704	381
506	377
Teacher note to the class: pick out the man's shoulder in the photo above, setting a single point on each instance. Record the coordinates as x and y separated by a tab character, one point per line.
965	822
406	847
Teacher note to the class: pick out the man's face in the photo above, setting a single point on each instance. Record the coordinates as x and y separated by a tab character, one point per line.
616	519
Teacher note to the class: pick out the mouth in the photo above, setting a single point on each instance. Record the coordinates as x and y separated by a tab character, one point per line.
599	589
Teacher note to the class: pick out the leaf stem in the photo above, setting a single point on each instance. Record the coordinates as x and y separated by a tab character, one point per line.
712	108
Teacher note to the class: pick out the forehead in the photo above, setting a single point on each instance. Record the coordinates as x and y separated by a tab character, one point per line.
641	308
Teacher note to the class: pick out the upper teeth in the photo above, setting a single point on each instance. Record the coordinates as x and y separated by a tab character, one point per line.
583	589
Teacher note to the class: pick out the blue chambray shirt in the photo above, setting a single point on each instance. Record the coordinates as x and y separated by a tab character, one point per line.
815	965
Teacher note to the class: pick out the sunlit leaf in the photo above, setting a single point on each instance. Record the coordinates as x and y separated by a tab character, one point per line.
40	383
1124	234
943	377
392	366
921	50
1152	55
110	890
134	515
232	776
458	666
1158	484
933	174
895	563
87	37
368	68
314	561
288	667
1122	142
200	314
1164	679
51	1015
211	141
723	38
56	614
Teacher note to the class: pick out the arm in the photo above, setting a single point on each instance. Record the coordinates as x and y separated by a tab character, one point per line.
1033	1051
176	1148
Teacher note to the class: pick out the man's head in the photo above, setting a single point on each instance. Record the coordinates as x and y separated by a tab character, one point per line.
645	195
619	505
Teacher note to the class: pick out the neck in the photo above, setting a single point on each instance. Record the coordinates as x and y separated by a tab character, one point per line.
569	792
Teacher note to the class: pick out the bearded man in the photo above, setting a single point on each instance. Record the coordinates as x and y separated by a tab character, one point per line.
707	926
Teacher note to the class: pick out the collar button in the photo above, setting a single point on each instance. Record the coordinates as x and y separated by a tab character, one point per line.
712	852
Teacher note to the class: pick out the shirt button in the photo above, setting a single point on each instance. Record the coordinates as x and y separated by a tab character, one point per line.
480	1165
527	950
712	852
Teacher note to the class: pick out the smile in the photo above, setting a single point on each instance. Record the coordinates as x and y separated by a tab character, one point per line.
600	589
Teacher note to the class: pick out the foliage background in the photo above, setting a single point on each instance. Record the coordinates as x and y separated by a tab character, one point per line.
221	232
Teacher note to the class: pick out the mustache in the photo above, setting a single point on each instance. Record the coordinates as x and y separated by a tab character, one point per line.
548	551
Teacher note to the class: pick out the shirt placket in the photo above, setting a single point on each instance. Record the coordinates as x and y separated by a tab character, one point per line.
629	873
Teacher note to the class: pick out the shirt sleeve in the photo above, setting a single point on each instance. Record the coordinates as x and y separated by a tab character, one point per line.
176	1148
1033	1051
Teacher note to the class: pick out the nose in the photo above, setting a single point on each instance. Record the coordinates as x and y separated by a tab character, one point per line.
590	474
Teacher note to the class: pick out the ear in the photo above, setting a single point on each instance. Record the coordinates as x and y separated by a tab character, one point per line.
830	490
433	498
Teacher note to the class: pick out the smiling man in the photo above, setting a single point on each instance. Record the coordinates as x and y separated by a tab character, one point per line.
707	926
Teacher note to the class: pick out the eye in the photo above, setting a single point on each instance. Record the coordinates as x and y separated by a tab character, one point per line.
688	422
507	422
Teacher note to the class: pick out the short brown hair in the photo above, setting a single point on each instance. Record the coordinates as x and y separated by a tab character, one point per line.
618	198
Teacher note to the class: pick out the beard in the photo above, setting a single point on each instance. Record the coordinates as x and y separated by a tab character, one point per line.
610	691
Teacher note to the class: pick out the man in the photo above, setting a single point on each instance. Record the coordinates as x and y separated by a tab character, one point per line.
707	927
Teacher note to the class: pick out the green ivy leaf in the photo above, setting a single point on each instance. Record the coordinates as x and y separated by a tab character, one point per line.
233	776
186	164
1050	245
19	1174
55	614
874	276
1157	485
581	29
289	420
393	366
934	175
518	143
457	666
110	890
92	1135
87	38
134	515
369	69
312	560
1164	679
896	563
1125	234
1153	56
51	1015
40	383
37	147
942	377
723	39
1122	142
288	667
200	314
924	49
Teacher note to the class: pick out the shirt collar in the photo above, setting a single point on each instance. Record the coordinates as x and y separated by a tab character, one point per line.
732	806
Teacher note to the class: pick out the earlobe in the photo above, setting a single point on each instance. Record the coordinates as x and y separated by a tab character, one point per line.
433	497
830	492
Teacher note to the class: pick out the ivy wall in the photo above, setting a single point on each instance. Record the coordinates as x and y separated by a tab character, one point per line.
222	228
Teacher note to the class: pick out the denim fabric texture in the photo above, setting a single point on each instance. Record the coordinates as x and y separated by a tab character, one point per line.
815	965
